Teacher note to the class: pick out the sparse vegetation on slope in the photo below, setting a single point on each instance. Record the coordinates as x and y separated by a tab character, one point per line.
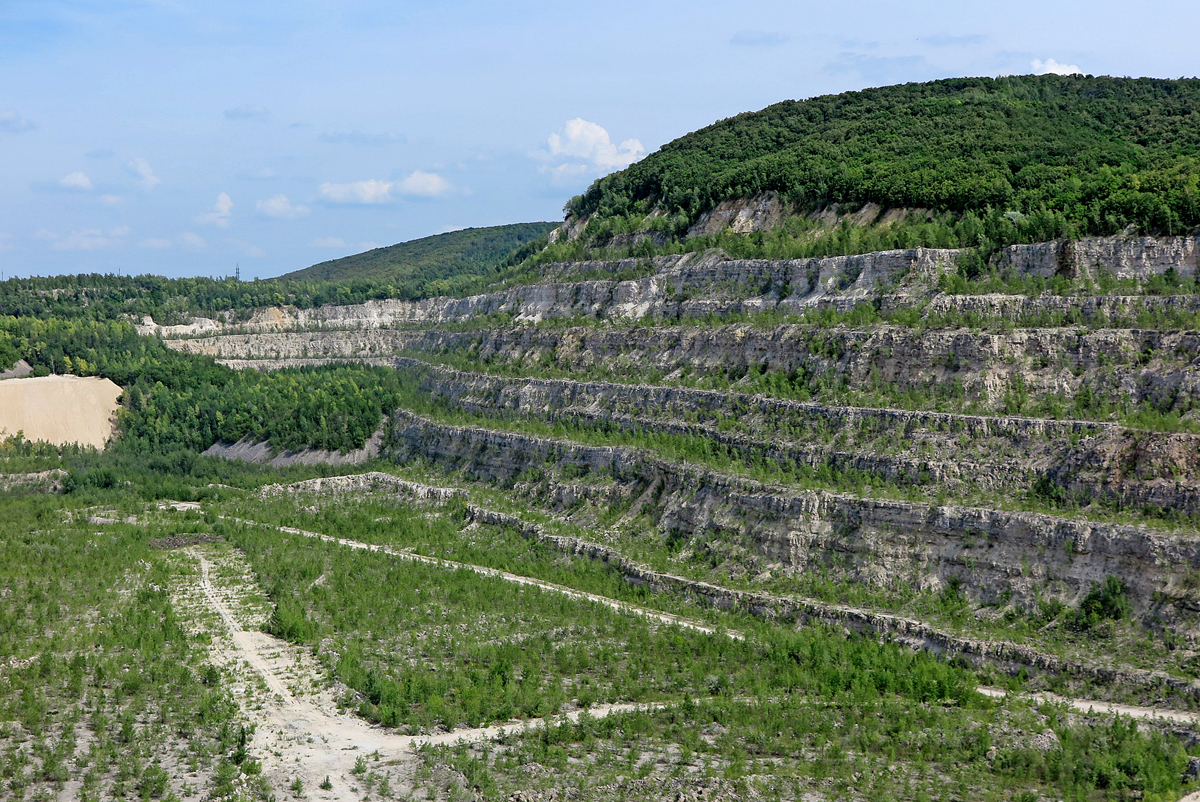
806	508
101	683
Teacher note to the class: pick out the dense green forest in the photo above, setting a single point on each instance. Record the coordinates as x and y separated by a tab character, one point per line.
176	401
446	264
95	296
1091	155
434	261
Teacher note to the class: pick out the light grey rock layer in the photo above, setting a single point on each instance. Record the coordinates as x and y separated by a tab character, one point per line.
1134	365
916	634
249	450
696	285
955	452
994	554
17	371
359	483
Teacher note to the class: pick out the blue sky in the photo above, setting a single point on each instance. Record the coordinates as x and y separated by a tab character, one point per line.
182	138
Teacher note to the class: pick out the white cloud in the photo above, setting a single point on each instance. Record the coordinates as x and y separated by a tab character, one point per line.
88	239
247	113
13	123
6	242
1052	67
261	175
585	147
424	185
417	184
140	168
193	242
584	140
221	212
568	170
360	192
75	180
155	244
280	207
112	200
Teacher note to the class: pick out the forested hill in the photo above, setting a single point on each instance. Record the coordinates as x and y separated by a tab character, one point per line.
442	258
446	264
1097	153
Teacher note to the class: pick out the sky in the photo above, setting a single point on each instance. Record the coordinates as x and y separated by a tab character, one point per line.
195	138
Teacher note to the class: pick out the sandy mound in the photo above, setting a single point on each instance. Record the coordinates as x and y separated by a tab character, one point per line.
59	409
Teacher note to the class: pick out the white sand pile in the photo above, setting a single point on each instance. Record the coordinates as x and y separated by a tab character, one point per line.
59	409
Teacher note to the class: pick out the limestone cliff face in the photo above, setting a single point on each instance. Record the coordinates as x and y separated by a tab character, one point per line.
993	553
954	452
696	285
248	450
301	344
1161	367
690	285
1106	309
640	324
1116	364
760	213
1008	656
1123	257
1085	460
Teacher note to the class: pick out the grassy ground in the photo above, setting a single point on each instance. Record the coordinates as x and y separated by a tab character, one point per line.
440	532
103	691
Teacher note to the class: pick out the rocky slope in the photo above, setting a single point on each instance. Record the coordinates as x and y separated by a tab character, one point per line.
696	285
950	414
993	554
1142	366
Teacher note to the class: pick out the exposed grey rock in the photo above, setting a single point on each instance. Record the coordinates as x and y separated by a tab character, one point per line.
50	481
992	553
248	450
956	452
1123	257
1161	367
17	371
695	285
1008	656
370	482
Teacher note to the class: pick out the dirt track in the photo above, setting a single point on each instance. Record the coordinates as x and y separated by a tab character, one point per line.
59	409
625	607
1165	715
299	737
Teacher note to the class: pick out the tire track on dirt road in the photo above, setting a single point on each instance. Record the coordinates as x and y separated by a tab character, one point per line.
1149	714
614	604
296	738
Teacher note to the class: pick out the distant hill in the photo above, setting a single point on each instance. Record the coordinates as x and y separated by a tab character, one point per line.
445	259
1086	155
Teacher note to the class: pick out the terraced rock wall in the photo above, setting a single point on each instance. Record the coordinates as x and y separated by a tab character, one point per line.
697	285
908	447
624	334
991	554
1160	368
